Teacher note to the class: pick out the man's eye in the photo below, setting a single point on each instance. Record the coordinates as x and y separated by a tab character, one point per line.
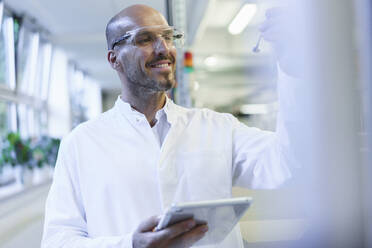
168	37
144	39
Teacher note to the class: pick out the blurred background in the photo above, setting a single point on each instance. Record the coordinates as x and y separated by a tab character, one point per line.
54	75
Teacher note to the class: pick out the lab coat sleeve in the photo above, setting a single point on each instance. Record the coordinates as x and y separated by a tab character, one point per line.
65	223
263	159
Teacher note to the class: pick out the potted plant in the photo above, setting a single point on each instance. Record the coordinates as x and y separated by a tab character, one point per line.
8	161
20	158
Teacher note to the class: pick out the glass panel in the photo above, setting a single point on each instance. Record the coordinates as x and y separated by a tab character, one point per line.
41	122
12	110
43	71
7	120
4	118
7	70
3	77
31	121
23	120
76	90
27	59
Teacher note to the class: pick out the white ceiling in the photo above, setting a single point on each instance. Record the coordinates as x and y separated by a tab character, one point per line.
77	26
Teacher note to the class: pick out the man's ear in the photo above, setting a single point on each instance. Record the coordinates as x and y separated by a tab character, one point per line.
112	59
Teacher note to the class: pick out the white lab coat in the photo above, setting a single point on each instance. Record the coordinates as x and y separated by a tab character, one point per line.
111	174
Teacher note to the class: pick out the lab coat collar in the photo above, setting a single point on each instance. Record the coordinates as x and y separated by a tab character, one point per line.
172	111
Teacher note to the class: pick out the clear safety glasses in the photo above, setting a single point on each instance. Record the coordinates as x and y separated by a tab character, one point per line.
148	35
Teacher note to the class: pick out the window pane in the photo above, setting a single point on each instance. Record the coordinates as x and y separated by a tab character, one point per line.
7	69
76	89
23	120
31	122
12	111
27	60
2	56
4	118
43	71
7	120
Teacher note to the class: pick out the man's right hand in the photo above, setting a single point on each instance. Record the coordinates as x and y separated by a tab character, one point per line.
180	235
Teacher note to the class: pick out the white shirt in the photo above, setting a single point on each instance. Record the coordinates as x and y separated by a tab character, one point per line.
112	173
162	126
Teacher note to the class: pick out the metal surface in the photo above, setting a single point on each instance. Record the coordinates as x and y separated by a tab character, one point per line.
179	20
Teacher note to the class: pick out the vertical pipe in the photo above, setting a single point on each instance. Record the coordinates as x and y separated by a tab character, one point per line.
179	20
168	6
365	23
1	13
328	142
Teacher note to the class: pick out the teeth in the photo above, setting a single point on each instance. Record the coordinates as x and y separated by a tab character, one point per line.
161	65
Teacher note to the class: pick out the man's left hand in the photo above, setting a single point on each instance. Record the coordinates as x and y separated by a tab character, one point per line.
278	29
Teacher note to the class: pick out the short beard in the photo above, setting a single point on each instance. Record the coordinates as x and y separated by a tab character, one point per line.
137	78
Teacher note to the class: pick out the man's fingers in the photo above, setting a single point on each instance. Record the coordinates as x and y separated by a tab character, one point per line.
149	224
189	238
274	12
176	229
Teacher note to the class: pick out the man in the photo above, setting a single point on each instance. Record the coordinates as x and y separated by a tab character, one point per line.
133	161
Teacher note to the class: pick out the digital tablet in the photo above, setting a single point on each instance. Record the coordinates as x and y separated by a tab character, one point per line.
221	216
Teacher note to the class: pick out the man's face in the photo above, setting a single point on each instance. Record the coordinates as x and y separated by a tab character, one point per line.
151	66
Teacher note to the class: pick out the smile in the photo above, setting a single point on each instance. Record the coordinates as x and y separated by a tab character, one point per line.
164	65
161	65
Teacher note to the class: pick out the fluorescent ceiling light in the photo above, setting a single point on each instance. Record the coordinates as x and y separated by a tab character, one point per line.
254	109
211	61
196	85
243	18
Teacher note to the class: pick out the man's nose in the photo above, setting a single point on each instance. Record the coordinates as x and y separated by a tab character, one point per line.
161	46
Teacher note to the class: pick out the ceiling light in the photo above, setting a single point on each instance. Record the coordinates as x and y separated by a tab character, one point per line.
254	109
210	61
243	18
196	85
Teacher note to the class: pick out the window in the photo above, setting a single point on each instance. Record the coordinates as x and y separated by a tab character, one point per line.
76	92
7	69
43	71
8	121
4	118
2	55
27	61
23	120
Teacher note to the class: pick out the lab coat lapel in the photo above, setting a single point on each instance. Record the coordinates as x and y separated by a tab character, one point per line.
168	174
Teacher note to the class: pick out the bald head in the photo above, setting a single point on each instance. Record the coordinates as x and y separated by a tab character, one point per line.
134	16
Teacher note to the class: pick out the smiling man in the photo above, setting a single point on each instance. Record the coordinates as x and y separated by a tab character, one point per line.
132	162
141	50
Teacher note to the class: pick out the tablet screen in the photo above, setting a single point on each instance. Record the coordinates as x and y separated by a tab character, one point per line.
221	220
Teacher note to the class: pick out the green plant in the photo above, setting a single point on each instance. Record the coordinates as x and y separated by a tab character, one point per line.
16	151
52	151
39	148
8	155
44	150
29	153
